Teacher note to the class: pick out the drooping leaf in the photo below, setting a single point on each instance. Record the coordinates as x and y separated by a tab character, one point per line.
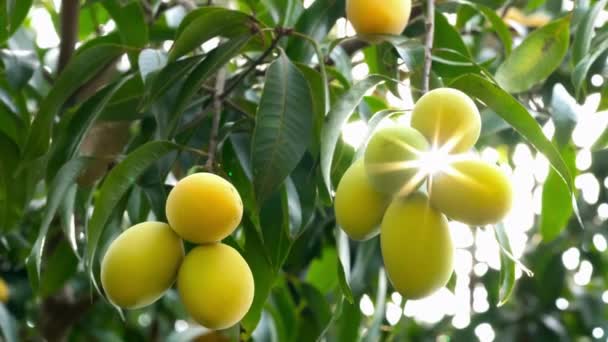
66	177
82	67
61	265
19	65
344	265
499	26
564	112
283	126
535	58
507	266
374	333
131	22
116	184
584	32
159	83
208	22
517	116
337	117
12	14
556	200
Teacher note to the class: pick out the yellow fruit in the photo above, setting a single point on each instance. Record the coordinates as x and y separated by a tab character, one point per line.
391	159
359	207
204	208
378	17
215	285
447	117
4	291
141	264
416	247
473	192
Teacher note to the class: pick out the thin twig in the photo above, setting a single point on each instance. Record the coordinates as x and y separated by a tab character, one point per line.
428	45
70	10
220	83
253	65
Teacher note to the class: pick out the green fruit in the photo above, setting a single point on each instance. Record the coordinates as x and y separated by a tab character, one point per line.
416	247
448	118
473	192
391	160
141	264
216	285
359	207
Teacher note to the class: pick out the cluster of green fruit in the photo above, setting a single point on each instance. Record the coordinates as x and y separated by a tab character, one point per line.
378	193
214	282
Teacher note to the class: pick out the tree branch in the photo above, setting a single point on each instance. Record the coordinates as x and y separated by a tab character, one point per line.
428	45
220	83
70	10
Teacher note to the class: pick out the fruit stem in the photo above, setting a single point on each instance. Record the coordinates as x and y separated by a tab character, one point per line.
428	46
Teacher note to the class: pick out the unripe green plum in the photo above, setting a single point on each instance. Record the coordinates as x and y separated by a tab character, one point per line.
378	17
216	285
472	191
447	117
141	264
204	208
359	207
391	160
416	247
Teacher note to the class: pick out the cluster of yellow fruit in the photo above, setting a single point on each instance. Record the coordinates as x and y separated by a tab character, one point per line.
214	282
377	194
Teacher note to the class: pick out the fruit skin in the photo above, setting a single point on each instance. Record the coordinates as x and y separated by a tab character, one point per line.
216	285
4	291
447	115
204	208
416	246
472	192
141	264
387	148
378	17
359	207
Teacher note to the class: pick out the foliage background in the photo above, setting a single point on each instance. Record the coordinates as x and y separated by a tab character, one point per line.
100	115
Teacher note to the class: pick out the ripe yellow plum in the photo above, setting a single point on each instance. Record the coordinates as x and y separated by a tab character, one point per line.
416	246
448	118
472	191
4	291
141	264
378	17
216	285
392	159
359	207
204	208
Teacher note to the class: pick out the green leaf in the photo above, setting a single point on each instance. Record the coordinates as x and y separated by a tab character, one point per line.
263	275
337	117
12	14
535	58
323	272
447	37
579	74
159	83
66	145
507	265
497	23
131	23
8	325
584	32
61	266
316	21
317	89
11	125
58	189
517	116
206	23
343	260
116	184
81	68
557	200
274	220
283	127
